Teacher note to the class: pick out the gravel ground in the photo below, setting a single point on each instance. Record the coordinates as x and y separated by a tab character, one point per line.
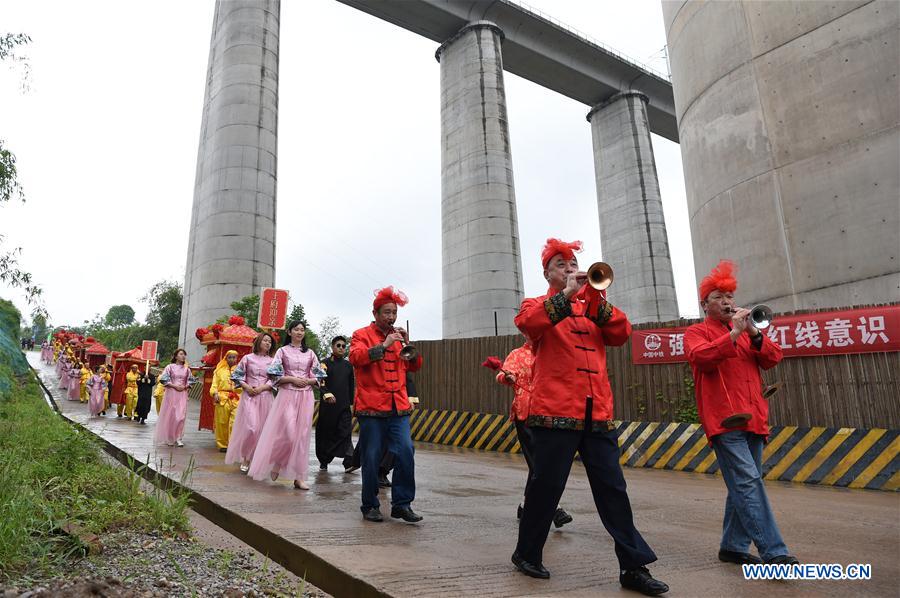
132	565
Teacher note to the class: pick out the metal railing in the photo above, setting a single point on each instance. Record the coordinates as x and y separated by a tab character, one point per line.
584	36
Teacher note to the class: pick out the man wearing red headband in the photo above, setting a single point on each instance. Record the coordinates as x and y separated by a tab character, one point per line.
725	352
571	410
382	406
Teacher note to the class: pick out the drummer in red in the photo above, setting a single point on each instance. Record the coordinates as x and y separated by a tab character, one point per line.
572	410
726	352
382	406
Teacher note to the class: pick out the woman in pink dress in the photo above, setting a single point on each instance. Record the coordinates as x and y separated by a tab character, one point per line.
96	385
75	382
283	447
62	370
176	378
253	409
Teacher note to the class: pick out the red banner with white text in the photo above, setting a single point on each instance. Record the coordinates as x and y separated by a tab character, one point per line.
864	330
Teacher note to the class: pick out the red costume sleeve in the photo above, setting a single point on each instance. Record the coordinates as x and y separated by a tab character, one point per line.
617	329
704	354
511	364
414	365
359	350
769	354
533	319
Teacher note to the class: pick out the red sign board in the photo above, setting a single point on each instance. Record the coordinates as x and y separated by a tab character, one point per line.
865	330
148	350
272	308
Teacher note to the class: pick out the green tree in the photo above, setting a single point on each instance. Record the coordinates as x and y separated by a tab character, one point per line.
119	316
164	316
248	308
10	189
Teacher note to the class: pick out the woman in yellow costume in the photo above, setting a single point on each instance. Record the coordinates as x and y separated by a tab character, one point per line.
158	393
86	374
226	396
131	379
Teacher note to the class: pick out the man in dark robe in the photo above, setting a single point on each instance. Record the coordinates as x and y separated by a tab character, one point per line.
145	386
335	424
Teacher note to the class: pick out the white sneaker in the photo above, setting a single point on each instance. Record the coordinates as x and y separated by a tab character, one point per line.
179	443
245	468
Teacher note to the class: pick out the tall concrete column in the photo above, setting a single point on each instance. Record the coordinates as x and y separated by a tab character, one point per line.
231	251
632	228
482	268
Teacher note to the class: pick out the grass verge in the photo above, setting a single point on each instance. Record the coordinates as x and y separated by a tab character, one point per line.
52	474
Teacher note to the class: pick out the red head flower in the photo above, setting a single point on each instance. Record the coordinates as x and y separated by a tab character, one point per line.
236	321
90	339
389	295
493	363
721	278
555	246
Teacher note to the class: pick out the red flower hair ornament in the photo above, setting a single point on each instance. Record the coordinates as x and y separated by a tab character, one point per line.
721	278
492	363
389	295
236	321
557	246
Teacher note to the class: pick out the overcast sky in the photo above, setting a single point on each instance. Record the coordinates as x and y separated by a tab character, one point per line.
106	141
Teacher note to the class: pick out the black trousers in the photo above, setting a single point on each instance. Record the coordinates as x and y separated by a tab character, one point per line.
553	452
334	430
523	433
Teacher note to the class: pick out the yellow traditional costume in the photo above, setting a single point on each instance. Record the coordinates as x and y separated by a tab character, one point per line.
131	389
107	378
83	391
158	392
226	396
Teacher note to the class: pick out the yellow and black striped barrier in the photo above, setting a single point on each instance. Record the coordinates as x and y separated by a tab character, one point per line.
848	457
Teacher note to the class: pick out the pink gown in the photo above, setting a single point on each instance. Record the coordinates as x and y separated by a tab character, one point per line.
75	384
96	385
62	370
284	443
252	411
170	425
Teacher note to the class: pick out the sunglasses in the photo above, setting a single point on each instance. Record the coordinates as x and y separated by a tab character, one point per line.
340	346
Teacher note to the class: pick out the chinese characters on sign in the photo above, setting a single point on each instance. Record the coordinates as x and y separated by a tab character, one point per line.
865	330
148	350
272	308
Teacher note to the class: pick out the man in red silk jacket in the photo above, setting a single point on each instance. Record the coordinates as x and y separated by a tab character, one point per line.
382	406
725	352
571	410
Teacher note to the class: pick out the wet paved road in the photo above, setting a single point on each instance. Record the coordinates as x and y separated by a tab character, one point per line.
468	499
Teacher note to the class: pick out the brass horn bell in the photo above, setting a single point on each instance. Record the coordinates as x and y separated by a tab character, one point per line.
761	316
600	275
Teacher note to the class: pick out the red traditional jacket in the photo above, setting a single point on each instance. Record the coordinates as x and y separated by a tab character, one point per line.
726	376
520	363
569	337
380	374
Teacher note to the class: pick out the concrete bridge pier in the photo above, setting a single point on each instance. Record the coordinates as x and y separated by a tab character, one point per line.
481	263
632	228
231	251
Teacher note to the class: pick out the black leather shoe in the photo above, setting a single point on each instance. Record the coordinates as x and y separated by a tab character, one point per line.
519	511
741	558
373	515
223	450
406	514
323	467
529	569
560	518
383	481
783	559
641	581
351	468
